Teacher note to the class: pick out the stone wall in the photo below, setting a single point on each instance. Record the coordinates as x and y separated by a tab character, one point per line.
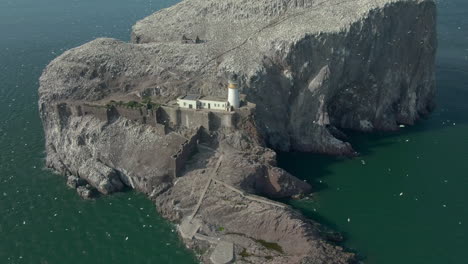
186	151
141	115
190	118
219	120
163	118
97	111
168	115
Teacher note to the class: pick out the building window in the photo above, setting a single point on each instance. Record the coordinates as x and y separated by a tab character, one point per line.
185	104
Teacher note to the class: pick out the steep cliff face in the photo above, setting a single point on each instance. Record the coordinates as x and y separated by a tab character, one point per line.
307	65
310	67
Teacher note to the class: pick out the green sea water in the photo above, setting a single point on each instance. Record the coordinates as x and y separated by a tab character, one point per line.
42	221
405	198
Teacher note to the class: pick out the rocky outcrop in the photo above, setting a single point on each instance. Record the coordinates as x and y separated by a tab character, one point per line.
310	68
308	65
363	65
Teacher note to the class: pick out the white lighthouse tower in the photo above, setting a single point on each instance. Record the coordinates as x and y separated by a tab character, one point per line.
233	92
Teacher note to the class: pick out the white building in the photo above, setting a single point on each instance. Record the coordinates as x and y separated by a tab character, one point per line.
196	101
233	93
188	101
208	102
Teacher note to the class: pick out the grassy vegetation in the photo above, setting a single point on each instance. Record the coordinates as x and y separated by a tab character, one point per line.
245	254
133	104
270	245
146	100
221	229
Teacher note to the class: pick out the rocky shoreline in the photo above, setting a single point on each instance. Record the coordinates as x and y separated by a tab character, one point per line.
308	69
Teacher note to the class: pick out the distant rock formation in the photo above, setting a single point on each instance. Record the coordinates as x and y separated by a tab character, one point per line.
310	67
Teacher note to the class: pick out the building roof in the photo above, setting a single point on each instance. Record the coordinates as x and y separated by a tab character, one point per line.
196	97
190	97
212	98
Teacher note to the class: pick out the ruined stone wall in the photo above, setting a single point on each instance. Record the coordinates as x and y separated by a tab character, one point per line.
160	118
186	150
98	111
142	115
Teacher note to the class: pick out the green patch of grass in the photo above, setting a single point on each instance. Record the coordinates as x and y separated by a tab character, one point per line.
152	105
270	245
149	104
133	104
146	99
146	102
221	229
245	254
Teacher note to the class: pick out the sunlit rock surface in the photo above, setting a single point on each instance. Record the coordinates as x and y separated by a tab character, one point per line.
310	67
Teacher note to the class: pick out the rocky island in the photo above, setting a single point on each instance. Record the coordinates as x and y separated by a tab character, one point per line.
306	69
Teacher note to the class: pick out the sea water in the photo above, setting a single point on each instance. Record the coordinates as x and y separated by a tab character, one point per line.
41	219
404	200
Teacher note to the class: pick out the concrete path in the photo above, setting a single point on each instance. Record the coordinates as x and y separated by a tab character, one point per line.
188	228
200	200
250	196
224	250
213	240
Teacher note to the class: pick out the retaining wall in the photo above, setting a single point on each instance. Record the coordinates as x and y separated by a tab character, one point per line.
162	117
168	115
141	115
190	118
97	111
219	120
187	149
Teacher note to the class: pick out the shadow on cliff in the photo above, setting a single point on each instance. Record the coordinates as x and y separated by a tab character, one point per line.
315	168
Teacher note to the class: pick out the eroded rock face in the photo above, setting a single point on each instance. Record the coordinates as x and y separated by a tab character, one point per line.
310	67
309	64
